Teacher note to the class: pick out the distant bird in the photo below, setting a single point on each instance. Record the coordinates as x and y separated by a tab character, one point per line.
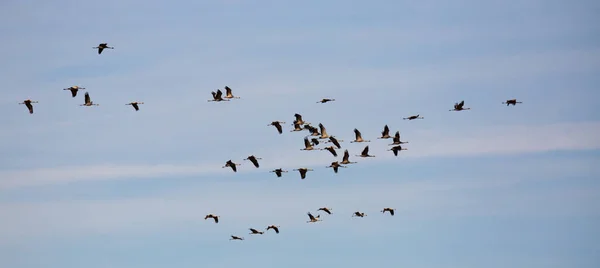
307	145
297	127
74	90
335	165
315	141
254	160
390	210
413	117
335	142
324	134
88	101
325	100
397	140
233	237
28	103
217	96
396	149
358	137
232	165
277	125
331	149
359	214
211	216
313	130
460	107
102	46
228	94
385	134
327	210
278	172
135	105
299	119
276	228
254	231
313	218
512	101
365	152
345	160
303	172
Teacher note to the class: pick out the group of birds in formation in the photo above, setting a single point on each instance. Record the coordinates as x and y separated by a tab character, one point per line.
299	124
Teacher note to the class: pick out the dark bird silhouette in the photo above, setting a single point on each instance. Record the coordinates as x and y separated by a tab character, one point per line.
211	216
278	172
335	142
217	96
102	46
232	165
385	134
28	103
297	127
413	117
307	145
358	136
135	105
390	210
277	125
313	218
335	165
365	152
303	171
323	131
345	160
460	107
299	119
254	160
233	237
512	101
88	101
73	90
325	100
327	210
315	141
397	140
275	228
331	149
396	149
254	231
359	214
228	94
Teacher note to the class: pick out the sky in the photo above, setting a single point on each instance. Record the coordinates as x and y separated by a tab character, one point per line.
106	186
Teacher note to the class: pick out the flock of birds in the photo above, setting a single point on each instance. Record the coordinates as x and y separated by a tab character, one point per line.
316	137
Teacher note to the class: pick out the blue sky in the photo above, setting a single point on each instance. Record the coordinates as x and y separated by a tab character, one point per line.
105	186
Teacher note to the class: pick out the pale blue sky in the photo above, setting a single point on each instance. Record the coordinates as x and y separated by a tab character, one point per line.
105	186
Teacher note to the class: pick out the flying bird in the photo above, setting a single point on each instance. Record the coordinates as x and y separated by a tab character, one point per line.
397	140
460	107
228	94
396	149
331	149
275	228
390	210
335	142
28	103
135	105
211	216
299	119
335	165
345	160
254	231
217	96
365	152
254	160
359	214
324	134
313	218
358	136
303	172
413	117
297	127
232	165
74	90
233	237
325	100
88	101
327	210
315	141
102	46
307	145
277	125
385	134
512	101
278	172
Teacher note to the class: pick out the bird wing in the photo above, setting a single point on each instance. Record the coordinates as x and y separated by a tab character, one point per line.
135	105
333	152
366	150
395	150
335	142
312	218
228	91
29	107
253	160
234	167
298	117
253	230
335	169
461	104
279	128
397	136
219	94
278	173
303	173
216	219
87	98
357	134
386	131
346	155
100	48
392	212
74	92
306	143
322	129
